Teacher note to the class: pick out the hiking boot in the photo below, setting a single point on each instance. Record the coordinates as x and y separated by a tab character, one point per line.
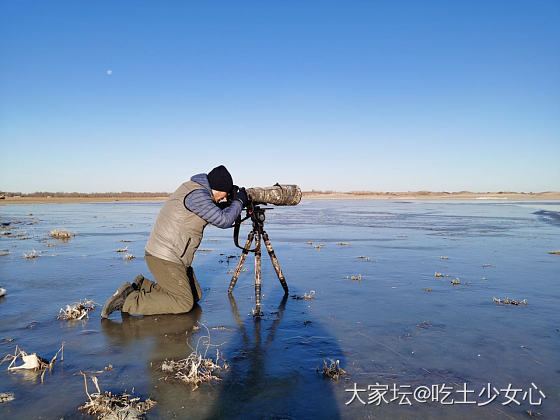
116	302
137	283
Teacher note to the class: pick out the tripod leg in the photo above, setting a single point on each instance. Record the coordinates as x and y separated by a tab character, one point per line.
240	262
258	275
275	263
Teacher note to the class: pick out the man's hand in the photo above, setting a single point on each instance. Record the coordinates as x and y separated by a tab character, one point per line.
241	195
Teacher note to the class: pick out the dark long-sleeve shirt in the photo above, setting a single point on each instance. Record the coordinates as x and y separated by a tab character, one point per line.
200	203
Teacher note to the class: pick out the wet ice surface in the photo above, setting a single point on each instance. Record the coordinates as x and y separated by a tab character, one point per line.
384	328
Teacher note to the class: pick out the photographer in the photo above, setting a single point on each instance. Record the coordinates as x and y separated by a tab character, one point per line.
174	239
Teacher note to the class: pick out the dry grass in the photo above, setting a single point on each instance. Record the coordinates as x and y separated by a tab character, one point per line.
196	368
77	311
6	397
232	270
332	370
62	234
106	405
32	254
508	301
306	296
31	361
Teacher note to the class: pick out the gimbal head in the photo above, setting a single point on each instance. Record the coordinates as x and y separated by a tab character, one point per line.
257	215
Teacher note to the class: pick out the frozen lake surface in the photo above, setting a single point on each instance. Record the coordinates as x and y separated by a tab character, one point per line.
385	329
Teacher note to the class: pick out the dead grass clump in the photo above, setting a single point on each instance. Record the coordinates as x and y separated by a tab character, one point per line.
61	234
424	324
32	254
128	256
31	361
231	271
106	405
78	310
508	301
305	296
6	397
332	370
197	367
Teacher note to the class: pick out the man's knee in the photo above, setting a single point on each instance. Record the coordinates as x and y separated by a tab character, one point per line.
184	303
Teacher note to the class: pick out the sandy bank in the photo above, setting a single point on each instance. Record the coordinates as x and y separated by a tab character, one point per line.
431	195
353	195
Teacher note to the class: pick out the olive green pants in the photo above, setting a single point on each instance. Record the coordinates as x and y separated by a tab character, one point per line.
175	292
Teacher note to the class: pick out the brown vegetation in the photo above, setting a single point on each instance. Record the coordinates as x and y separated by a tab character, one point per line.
196	368
332	370
77	311
118	406
508	301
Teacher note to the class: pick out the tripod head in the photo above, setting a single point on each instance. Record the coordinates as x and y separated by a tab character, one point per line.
257	215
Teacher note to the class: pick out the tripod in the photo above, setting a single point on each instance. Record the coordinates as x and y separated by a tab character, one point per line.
256	213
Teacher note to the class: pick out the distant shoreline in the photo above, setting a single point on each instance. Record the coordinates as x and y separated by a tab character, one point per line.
354	195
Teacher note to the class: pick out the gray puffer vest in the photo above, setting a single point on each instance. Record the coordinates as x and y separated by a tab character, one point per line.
177	232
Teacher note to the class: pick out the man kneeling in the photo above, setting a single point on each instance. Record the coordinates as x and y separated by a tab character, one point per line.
176	235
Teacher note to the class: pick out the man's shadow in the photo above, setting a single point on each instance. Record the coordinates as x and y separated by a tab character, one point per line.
271	361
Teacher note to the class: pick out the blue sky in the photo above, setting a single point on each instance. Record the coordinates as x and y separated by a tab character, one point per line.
356	95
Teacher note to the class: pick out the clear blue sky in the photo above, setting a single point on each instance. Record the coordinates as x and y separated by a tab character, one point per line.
353	95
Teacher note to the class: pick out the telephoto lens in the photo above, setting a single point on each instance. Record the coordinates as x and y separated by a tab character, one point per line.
278	195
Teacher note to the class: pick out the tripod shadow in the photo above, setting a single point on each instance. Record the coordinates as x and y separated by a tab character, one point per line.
267	377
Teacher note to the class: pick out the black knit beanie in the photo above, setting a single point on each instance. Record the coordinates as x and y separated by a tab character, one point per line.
220	179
